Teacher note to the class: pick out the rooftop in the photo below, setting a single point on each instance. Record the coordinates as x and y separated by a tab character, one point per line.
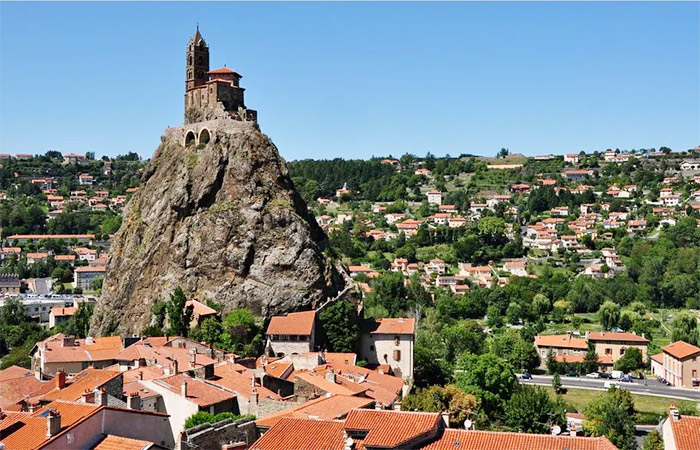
681	349
298	323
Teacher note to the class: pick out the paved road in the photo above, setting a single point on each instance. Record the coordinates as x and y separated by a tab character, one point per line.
653	387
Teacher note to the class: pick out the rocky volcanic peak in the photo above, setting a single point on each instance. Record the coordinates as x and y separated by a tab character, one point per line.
223	221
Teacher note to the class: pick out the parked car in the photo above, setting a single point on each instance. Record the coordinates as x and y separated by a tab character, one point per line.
617	374
605	375
626	379
573	373
593	375
609	384
526	376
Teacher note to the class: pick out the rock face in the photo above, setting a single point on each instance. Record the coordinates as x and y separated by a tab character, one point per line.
222	220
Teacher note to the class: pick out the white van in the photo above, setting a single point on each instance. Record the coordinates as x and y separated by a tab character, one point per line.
617	374
609	384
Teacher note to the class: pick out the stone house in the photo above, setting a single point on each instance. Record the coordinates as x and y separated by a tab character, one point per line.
60	315
291	333
10	283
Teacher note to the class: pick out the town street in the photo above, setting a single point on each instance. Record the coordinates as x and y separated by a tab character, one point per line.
653	387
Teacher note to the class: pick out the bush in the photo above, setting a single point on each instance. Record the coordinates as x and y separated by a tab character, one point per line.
204	417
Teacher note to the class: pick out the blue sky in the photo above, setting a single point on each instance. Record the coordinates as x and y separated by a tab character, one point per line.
359	79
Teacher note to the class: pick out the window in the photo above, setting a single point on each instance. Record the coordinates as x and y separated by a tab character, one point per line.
622	351
397	340
397	355
695	373
608	351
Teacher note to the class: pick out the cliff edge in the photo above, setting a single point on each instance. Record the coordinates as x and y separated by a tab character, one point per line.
218	215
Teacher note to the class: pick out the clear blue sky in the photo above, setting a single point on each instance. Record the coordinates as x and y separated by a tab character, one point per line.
359	79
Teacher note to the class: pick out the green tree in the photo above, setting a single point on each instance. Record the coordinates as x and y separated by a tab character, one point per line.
340	326
211	330
630	361
429	368
242	332
531	410
556	382
178	317
487	376
684	327
612	414
457	403
654	441
609	313
12	312
541	305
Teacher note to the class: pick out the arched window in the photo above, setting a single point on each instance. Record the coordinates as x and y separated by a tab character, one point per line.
204	136
189	138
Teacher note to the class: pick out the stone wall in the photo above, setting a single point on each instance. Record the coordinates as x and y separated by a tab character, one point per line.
213	436
268	407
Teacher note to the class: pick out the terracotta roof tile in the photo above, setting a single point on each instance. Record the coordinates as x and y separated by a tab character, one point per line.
199	392
452	439
298	323
681	349
59	311
101	349
87	380
32	433
391	428
200	308
112	442
230	376
394	326
561	341
686	432
302	434
617	336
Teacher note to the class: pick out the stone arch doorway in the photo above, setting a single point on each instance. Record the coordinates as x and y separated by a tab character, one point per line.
190	138
204	136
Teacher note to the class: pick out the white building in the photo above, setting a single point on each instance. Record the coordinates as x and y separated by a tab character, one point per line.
434	197
390	341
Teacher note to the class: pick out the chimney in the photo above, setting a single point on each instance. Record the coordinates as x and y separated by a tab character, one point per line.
183	389
32	407
100	396
254	397
140	376
330	376
377	406
397	405
446	418
60	379
675	414
193	358
38	373
68	341
53	423
133	401
88	397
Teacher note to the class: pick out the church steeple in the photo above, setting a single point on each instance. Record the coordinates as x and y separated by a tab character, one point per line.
197	61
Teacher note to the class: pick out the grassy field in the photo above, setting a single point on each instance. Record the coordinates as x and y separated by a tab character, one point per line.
650	408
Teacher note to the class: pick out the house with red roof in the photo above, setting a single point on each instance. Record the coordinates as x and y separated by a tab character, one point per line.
680	432
389	341
291	333
681	364
376	429
613	344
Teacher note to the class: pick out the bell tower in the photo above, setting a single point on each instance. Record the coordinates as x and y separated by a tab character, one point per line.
197	61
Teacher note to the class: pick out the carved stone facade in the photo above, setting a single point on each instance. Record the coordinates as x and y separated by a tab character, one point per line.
214	94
